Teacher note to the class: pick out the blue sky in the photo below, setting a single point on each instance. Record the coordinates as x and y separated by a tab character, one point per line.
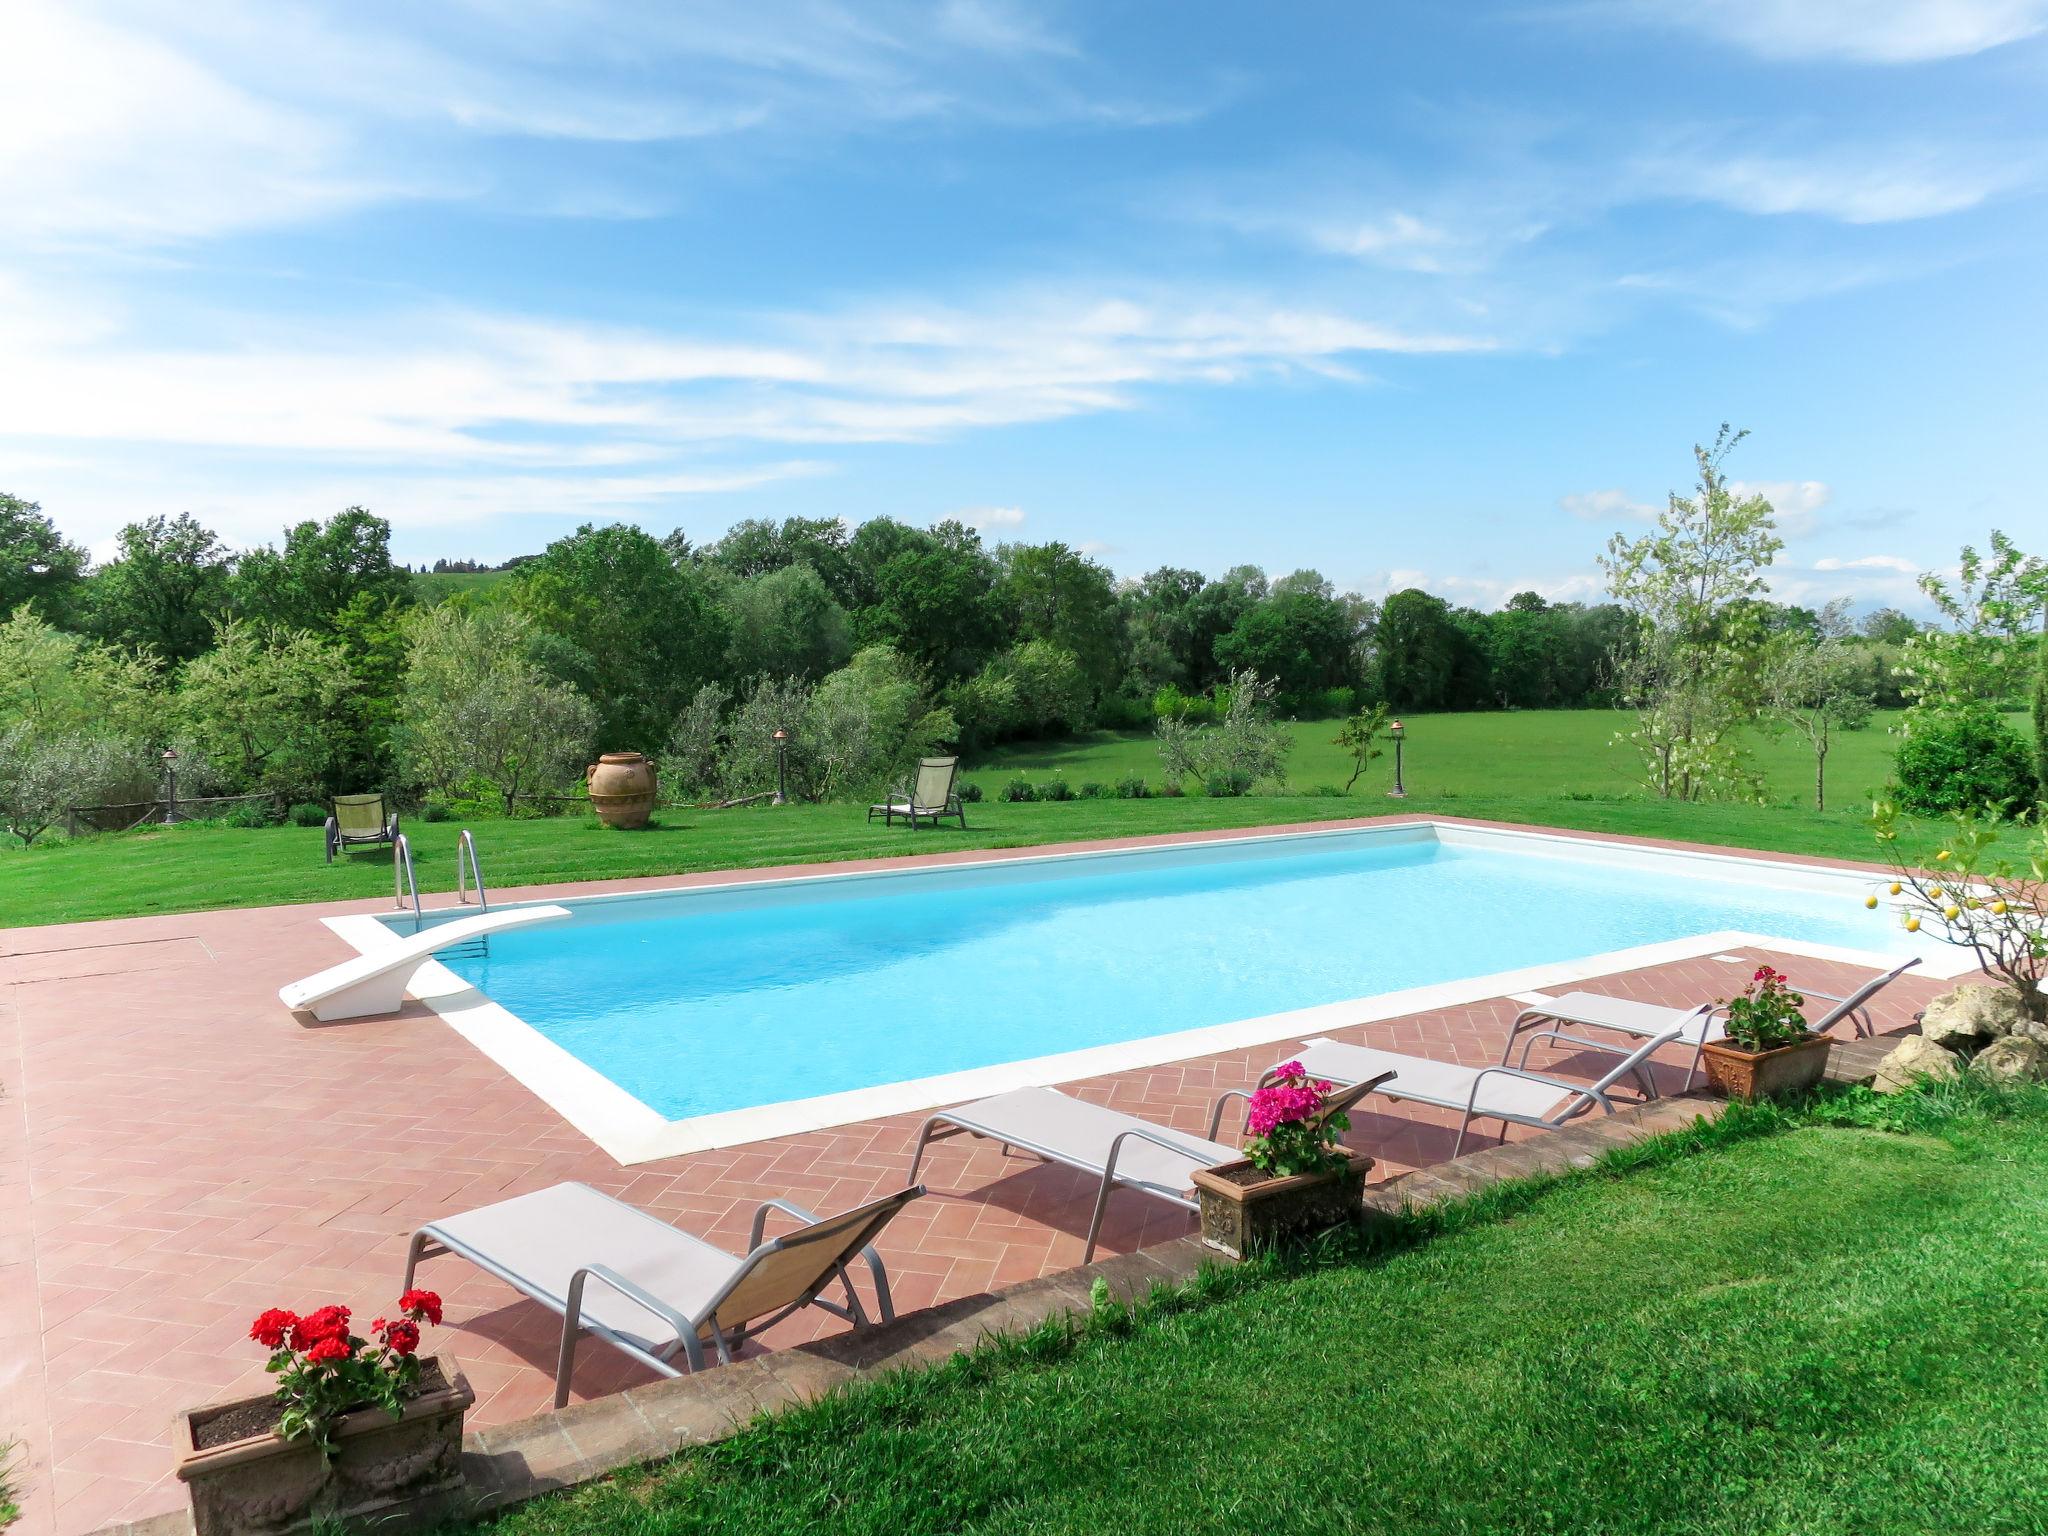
1404	292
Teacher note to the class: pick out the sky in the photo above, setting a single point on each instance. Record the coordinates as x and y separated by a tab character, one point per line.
1409	293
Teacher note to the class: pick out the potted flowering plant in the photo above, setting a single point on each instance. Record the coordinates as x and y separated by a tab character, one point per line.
1768	1052
358	1428
1296	1176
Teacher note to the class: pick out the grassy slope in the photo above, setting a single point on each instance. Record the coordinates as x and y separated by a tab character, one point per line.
1831	1330
1557	769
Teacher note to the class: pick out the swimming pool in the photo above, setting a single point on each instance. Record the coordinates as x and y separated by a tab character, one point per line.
704	1003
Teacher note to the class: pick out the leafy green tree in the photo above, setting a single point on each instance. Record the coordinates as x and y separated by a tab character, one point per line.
760	547
2041	714
1692	677
320	571
261	705
477	709
1887	626
1159	622
867	724
645	631
165	589
1816	684
1214	613
1980	654
1419	651
1360	737
927	593
786	623
37	564
1299	637
1059	596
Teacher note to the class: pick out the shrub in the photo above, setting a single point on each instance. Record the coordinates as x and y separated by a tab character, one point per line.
307	814
1094	791
1225	784
1019	792
1169	703
252	813
434	810
1967	761
1056	788
970	792
1132	786
1121	712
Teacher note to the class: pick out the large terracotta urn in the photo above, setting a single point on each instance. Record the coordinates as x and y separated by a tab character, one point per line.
621	786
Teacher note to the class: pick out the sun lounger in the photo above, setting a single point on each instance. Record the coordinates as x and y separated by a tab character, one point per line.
929	797
1478	1093
1119	1149
377	982
651	1290
1701	1025
360	821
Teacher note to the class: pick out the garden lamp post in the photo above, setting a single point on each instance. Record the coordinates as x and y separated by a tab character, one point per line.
1399	791
170	784
781	765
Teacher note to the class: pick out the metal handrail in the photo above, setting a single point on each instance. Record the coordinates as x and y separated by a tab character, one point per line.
466	869
402	879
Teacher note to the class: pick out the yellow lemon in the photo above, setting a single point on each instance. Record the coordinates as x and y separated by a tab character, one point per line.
1951	913
1934	892
1871	902
1998	907
1895	887
1941	857
1912	925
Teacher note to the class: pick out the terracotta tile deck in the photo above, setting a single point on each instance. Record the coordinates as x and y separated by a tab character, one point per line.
177	1152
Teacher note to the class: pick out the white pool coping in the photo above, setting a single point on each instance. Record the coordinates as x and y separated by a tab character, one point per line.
629	1131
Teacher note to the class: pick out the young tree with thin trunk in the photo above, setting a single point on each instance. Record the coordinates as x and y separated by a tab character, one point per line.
1817	687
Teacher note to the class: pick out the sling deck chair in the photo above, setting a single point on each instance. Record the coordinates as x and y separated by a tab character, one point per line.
931	796
651	1290
360	821
1702	1025
1121	1150
1501	1093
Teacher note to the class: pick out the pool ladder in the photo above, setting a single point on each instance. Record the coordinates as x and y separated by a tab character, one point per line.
405	889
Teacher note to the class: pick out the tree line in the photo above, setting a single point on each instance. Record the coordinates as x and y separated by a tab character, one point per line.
314	666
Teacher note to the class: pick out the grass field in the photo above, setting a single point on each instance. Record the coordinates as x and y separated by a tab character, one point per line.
1824	1330
1554	769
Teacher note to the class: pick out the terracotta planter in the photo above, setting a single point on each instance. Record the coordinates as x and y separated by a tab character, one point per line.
621	786
1779	1073
1244	1210
384	1469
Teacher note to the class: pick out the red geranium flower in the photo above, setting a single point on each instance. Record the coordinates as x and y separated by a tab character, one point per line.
273	1327
327	1323
402	1337
331	1348
422	1304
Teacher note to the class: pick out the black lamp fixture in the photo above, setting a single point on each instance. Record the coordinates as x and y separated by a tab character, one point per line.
781	767
170	784
1399	791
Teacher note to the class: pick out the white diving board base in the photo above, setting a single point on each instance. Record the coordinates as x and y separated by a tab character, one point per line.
376	983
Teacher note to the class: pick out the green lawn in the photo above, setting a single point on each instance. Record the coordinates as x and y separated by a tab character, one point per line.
1824	1330
1554	768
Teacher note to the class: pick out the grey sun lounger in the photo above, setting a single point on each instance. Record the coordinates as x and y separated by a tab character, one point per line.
1507	1094
1700	1026
650	1290
1122	1150
931	796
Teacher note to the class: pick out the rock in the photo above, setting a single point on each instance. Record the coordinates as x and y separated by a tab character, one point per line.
1915	1058
2013	1059
1965	1017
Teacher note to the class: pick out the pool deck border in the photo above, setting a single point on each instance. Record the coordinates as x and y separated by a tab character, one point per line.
630	1131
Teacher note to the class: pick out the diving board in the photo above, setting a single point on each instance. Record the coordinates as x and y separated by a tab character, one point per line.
377	982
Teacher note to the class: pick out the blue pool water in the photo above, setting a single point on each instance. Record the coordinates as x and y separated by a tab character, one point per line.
712	1001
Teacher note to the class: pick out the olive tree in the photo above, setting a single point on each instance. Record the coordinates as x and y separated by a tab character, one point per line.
1689	672
476	707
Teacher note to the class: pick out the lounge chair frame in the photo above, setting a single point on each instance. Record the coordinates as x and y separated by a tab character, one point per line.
917	801
691	1332
963	1121
340	839
1573	1099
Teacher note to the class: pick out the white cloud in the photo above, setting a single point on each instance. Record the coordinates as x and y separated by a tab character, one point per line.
1796	503
1483	592
1606	506
1879	184
1860	31
984	518
1869	563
